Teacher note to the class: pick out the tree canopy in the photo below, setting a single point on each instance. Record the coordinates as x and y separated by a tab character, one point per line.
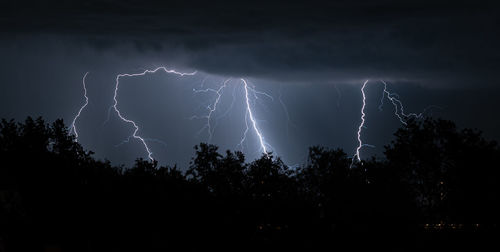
52	191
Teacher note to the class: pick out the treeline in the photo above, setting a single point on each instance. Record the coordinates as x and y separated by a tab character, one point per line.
54	194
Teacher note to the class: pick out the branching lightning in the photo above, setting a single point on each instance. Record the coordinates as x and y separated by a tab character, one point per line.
398	111
398	105
250	97
229	108
211	108
115	105
250	94
73	126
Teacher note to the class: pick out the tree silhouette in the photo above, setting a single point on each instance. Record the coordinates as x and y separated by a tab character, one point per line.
452	172
53	193
222	176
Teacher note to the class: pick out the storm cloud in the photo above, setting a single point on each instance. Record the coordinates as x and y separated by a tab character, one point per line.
435	43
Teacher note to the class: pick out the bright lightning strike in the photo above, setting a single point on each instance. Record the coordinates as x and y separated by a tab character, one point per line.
398	111
362	125
250	94
115	105
251	117
73	127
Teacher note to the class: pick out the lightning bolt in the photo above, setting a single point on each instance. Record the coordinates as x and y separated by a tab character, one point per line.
249	115
73	127
398	105
361	125
115	99
211	108
250	93
230	106
399	111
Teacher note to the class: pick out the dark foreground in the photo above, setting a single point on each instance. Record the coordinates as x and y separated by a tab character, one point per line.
435	190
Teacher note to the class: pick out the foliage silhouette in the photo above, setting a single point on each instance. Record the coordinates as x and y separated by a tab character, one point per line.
453	173
54	193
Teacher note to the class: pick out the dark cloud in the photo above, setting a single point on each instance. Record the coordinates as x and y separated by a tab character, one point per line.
435	42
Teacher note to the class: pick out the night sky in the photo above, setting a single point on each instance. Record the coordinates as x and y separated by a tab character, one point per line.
315	56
